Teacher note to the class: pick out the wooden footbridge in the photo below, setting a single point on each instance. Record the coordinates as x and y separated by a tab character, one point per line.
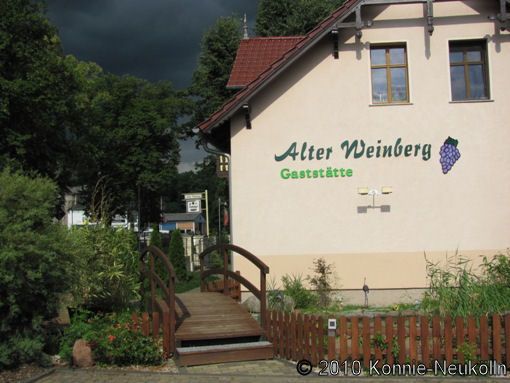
207	326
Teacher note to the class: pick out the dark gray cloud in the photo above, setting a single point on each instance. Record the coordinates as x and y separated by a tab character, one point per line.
152	39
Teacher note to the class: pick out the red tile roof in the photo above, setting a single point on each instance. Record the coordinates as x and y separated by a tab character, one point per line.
232	105
257	54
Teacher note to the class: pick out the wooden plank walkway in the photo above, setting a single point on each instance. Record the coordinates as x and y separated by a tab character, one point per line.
211	315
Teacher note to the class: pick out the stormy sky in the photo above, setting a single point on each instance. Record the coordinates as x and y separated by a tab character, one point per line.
152	39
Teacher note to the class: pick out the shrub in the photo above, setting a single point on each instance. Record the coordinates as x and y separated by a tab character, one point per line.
34	265
155	237
112	340
108	268
176	255
322	281
458	291
293	287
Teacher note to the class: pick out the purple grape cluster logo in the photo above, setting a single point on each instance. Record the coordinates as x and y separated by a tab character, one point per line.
449	154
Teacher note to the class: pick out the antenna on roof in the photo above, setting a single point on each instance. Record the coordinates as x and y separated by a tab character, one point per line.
245	28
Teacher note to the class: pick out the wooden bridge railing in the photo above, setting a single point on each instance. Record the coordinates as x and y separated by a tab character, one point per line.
161	307
223	249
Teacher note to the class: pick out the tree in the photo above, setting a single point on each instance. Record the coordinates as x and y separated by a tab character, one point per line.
176	255
218	52
292	17
34	265
130	142
38	88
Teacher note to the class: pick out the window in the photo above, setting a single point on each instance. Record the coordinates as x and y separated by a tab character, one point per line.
468	70
389	74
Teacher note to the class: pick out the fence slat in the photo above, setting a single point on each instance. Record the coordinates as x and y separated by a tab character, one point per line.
424	339
412	339
484	338
145	324
313	339
274	321
507	339
287	335
354	338
436	338
306	337
401	331
366	342
472	334
299	337
342	333
389	340
448	339
459	331
281	330
378	334
320	337
134	319
496	338
292	341
155	325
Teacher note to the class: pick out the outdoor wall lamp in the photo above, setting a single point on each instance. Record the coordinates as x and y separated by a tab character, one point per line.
247	118
373	193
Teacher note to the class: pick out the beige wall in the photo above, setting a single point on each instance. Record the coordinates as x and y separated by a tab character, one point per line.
324	101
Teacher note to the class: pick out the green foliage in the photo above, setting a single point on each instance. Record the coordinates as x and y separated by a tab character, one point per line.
191	282
37	106
322	281
292	17
112	340
294	288
468	350
34	265
155	237
176	255
459	291
218	51
107	267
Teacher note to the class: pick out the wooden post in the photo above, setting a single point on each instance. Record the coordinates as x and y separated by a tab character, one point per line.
171	315
313	339
134	318
167	333
202	281
299	337
507	339
401	330
389	340
413	354
354	338
292	340
342	333
484	338
306	337
225	269
155	324
378	334
263	300
436	338
366	341
448	339
496	338
145	324
424	339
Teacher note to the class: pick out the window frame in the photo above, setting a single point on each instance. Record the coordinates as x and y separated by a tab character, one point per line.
464	46
388	66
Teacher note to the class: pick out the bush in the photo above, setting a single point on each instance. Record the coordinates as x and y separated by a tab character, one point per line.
112	340
34	265
293	287
107	268
458	291
176	255
322	281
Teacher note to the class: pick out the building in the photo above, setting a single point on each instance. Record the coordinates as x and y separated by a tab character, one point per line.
335	139
185	222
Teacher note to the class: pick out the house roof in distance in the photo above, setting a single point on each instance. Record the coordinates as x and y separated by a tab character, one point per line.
180	217
255	55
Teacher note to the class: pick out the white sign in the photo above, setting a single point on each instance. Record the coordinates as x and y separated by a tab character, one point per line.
193	196
193	206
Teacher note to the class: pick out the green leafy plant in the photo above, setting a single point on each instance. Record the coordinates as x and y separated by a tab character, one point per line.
322	281
294	288
468	350
457	290
108	267
113	340
35	267
176	255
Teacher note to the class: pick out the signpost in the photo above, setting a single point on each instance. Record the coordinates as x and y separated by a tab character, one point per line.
194	205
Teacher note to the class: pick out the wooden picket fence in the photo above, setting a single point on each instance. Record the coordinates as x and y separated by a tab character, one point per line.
390	339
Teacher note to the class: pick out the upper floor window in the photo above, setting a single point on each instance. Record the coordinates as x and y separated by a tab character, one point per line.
389	74
468	70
